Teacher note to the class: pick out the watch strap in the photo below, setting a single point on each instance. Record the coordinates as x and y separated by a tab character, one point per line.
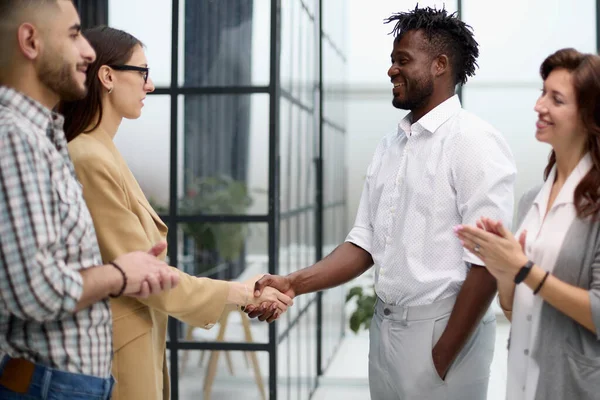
523	272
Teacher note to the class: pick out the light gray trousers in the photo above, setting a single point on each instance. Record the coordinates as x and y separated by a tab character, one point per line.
400	362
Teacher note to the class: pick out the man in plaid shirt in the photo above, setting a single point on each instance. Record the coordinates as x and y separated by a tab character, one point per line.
55	320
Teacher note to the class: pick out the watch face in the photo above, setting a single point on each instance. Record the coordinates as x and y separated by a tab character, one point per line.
522	274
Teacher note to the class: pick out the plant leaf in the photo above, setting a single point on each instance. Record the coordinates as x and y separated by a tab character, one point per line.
355	323
355	291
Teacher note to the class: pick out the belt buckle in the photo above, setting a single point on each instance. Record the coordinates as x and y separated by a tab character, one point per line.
17	375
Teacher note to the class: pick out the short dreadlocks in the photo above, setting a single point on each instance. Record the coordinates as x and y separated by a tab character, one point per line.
446	34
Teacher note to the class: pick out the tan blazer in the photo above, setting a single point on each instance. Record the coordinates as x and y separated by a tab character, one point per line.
125	222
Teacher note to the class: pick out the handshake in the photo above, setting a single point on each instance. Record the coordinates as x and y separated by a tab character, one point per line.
270	298
141	274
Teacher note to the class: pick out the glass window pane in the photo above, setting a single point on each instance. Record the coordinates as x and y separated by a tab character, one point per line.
312	6
307	50
297	149
335	16
299	52
150	23
224	43
334	76
334	166
285	354
225	251
296	368
335	322
286	63
144	144
225	160
296	251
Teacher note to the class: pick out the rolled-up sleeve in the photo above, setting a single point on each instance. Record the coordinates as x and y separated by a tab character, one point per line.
34	284
484	174
362	232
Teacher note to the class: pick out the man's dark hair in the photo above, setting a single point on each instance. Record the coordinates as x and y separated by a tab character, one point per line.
11	13
9	6
446	34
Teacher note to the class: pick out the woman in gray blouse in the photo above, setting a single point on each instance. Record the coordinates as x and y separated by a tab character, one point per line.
549	278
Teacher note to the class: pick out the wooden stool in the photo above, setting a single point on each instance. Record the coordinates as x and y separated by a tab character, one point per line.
211	371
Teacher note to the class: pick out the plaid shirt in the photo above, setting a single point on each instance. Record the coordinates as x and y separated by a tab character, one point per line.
46	237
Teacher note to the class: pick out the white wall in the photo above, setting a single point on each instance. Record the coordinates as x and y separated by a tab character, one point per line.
513	45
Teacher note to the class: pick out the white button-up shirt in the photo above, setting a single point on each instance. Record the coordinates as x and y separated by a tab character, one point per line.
448	168
544	240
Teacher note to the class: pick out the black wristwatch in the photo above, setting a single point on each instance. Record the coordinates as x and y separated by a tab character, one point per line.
523	272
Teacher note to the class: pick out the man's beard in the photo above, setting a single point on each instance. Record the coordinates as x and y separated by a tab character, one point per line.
59	76
419	93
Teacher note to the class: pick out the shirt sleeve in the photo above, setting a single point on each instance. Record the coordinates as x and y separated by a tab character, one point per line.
484	176
362	231
34	284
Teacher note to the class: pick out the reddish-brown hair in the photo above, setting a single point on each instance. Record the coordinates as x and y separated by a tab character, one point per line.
585	71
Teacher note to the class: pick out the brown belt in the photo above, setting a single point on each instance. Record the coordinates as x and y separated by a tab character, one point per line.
17	375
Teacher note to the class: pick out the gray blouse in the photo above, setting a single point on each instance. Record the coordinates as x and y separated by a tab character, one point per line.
567	353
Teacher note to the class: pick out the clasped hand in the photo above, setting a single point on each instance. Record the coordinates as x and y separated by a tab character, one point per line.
263	310
269	298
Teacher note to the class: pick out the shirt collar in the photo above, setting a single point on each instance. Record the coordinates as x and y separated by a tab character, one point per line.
29	109
50	123
431	121
566	194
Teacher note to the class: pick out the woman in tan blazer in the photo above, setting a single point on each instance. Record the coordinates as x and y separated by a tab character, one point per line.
124	220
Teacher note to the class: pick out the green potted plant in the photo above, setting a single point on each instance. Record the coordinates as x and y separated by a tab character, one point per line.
215	241
365	306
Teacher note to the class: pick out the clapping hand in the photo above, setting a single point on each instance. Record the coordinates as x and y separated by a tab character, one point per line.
495	245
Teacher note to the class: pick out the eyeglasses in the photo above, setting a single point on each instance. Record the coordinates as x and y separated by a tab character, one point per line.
145	70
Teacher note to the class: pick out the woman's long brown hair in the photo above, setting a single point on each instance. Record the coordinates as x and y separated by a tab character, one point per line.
112	46
585	70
